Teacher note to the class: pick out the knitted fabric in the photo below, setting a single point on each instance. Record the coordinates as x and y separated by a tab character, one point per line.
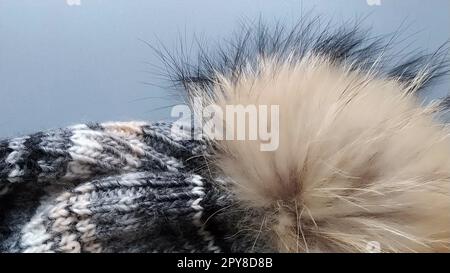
111	187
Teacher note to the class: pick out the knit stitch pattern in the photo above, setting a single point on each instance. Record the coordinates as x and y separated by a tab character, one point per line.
110	187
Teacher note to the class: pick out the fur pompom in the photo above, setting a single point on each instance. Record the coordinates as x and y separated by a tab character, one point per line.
360	160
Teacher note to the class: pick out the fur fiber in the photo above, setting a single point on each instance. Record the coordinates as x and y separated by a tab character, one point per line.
360	158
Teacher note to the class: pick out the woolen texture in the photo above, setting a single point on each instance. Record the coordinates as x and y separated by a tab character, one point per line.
111	187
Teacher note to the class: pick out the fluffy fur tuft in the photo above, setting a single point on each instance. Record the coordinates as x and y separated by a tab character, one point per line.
359	160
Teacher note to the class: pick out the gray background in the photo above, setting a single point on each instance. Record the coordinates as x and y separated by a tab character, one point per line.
62	64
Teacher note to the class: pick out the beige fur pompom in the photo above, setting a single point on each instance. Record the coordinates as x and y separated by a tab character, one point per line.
359	161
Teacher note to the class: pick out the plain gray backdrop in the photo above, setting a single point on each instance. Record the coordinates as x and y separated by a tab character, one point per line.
62	64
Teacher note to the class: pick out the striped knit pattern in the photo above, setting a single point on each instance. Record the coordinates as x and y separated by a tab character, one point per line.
110	187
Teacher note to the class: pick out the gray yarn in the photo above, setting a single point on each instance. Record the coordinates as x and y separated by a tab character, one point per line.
113	187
